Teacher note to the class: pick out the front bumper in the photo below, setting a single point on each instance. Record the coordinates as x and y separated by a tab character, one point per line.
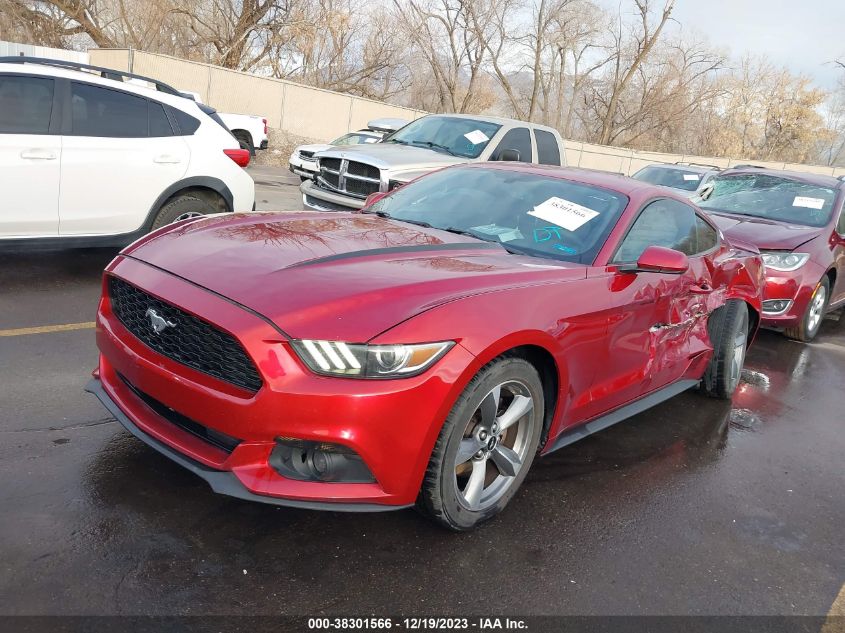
796	286
392	425
317	198
302	168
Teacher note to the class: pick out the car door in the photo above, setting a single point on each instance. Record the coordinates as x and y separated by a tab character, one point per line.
519	139
656	320
837	293
118	156
30	154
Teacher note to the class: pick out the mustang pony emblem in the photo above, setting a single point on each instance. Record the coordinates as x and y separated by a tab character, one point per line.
159	323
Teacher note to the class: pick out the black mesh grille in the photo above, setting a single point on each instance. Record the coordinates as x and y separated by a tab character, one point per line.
361	169
332	179
210	436
190	341
361	187
330	163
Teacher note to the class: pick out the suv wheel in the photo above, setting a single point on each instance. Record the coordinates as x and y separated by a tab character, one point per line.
486	445
181	208
811	322
245	141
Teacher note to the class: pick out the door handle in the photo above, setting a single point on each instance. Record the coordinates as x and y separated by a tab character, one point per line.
167	159
39	154
702	288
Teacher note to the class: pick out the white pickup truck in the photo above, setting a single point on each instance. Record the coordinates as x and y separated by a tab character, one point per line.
251	131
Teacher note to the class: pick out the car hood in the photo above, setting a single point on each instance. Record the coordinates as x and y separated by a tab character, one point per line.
316	147
339	276
764	234
394	156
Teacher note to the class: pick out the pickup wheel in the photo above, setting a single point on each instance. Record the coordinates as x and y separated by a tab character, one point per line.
245	141
728	329
181	208
485	447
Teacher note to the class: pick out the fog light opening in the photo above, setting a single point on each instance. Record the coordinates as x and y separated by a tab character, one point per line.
776	306
304	460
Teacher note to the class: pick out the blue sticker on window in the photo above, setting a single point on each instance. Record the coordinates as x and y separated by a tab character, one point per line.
566	249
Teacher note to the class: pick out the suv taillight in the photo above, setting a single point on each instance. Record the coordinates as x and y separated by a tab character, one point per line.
265	125
240	156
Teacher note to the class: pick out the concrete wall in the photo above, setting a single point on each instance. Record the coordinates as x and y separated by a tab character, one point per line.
12	48
322	114
292	107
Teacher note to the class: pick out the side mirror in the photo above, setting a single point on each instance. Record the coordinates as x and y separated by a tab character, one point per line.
509	155
657	259
373	198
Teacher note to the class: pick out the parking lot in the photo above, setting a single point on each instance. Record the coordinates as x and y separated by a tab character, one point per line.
695	507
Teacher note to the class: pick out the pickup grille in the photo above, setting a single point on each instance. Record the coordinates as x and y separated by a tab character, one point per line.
190	341
350	177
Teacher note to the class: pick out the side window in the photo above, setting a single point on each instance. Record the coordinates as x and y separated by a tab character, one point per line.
187	124
548	151
840	228
666	223
101	112
159	123
26	104
519	139
707	237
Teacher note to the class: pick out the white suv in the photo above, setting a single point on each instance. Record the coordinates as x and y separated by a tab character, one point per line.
89	159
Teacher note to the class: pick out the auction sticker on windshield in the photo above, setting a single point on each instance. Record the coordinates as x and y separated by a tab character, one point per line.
809	203
476	137
569	215
692	177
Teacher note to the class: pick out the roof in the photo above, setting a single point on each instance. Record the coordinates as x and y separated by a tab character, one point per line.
696	169
818	180
604	179
493	119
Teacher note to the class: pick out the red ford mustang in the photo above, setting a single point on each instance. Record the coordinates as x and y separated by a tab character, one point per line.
797	222
425	349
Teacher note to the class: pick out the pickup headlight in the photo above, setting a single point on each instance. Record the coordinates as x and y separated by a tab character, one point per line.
786	262
353	360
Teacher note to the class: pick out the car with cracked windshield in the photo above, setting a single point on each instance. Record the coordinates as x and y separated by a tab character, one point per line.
797	222
424	350
345	176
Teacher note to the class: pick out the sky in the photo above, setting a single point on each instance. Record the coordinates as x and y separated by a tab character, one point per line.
804	35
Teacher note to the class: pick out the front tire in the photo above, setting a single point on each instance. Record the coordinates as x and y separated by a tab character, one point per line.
486	446
728	329
181	208
811	322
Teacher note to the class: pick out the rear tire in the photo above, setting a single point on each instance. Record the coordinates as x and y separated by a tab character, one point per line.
485	447
181	208
811	322
245	141
728	329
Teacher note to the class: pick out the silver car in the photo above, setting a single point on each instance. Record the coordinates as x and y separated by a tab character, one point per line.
347	175
685	178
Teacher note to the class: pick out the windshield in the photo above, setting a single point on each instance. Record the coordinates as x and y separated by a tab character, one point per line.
771	197
526	213
670	177
450	135
354	138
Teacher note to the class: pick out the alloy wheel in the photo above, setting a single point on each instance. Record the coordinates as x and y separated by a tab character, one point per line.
814	319
495	445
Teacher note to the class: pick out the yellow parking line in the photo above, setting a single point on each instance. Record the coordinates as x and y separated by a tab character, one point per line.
46	329
835	622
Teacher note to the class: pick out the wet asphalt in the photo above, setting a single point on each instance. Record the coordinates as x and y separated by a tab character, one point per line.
695	507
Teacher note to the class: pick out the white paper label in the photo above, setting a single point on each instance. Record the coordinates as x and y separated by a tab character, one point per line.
692	177
569	215
476	137
371	140
810	203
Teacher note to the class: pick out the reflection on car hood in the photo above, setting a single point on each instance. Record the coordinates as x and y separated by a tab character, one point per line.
765	234
395	156
339	276
316	147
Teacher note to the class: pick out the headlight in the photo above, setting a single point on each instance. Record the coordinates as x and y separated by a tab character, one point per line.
785	261
353	360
